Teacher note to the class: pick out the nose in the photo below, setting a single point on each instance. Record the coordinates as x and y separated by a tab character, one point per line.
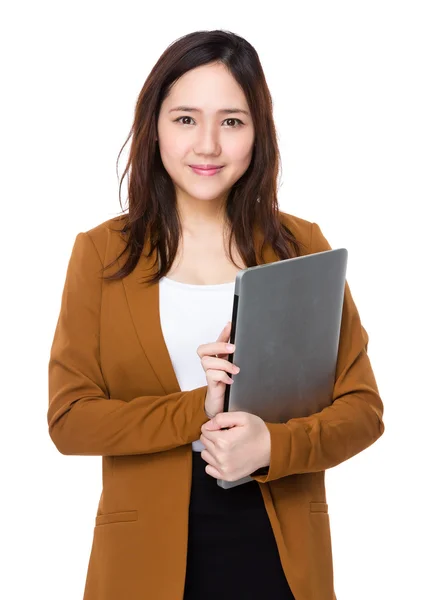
207	140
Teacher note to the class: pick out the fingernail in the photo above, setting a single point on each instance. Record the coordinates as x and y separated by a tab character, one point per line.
230	346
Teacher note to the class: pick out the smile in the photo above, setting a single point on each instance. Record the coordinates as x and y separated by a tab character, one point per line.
206	172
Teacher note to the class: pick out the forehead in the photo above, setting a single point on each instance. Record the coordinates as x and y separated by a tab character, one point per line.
208	86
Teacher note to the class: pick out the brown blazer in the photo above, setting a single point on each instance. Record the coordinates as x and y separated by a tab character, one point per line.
113	393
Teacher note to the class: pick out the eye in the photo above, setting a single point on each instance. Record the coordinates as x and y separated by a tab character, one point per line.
184	117
238	121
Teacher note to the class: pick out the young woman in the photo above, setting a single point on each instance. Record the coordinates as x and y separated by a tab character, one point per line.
139	361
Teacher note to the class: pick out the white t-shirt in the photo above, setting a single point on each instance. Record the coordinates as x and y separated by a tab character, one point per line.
191	315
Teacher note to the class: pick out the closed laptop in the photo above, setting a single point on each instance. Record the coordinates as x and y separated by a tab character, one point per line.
286	327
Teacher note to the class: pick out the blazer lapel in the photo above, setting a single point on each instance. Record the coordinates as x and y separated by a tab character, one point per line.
143	302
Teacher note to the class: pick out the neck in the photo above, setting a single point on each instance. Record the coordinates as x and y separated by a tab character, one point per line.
201	216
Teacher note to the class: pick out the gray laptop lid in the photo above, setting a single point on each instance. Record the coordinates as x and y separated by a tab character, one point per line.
286	328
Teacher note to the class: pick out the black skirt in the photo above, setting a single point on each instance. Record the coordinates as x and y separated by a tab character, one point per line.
232	551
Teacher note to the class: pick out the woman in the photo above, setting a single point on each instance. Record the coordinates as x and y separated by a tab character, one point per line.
135	377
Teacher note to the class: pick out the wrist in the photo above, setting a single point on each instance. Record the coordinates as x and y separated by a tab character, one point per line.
267	448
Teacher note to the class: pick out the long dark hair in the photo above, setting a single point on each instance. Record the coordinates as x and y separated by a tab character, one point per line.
252	201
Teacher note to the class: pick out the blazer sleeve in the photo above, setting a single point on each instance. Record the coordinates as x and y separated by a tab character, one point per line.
82	418
350	424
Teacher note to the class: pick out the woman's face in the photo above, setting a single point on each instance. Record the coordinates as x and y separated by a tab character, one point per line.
205	120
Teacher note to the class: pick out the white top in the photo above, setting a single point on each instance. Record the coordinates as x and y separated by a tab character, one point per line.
191	315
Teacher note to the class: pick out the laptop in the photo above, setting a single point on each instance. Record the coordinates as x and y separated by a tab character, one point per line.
286	326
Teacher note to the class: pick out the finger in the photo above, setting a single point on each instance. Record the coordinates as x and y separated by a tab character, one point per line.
207	441
219	364
224	337
215	348
221	341
213	472
209	458
216	376
232	419
224	334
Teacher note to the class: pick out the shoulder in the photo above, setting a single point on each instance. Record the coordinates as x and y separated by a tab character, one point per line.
306	232
300	228
108	234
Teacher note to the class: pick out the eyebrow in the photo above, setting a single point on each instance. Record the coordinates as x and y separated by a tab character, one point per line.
226	111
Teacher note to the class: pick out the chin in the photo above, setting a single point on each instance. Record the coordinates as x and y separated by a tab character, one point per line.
207	195
206	198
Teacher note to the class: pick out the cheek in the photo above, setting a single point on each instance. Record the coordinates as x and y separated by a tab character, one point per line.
171	148
240	151
172	155
242	158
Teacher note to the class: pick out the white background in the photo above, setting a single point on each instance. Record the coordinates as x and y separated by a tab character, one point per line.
360	101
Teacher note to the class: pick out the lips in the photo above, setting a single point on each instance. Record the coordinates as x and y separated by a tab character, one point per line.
206	169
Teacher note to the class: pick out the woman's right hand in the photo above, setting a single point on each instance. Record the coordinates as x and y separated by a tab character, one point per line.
216	370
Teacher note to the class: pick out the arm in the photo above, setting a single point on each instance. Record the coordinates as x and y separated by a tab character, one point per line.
354	419
82	418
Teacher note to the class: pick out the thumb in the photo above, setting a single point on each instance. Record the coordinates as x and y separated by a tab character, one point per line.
225	420
225	333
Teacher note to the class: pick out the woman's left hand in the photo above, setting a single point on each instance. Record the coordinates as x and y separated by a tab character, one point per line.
238	451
